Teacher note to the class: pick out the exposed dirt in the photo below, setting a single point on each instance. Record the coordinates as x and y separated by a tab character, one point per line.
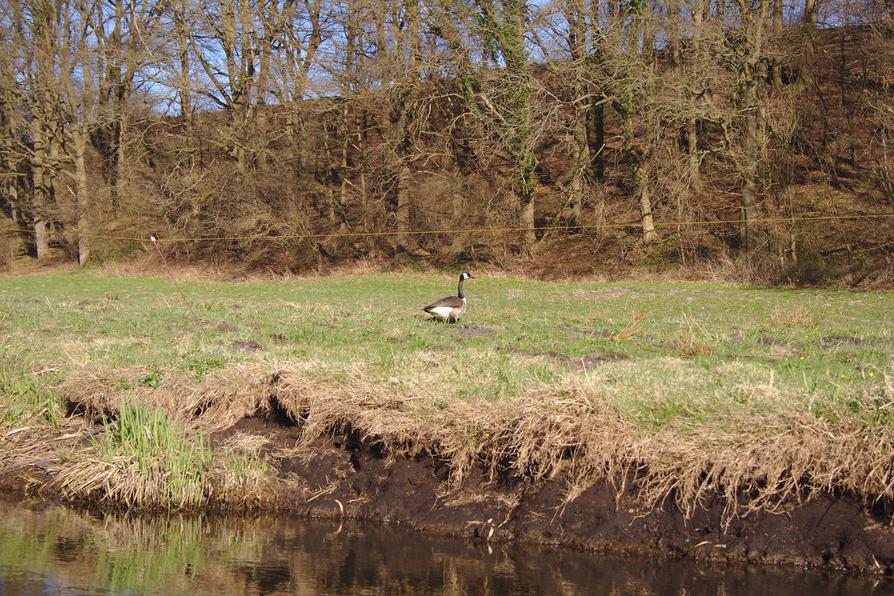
473	331
577	363
352	476
247	345
837	340
766	340
583	363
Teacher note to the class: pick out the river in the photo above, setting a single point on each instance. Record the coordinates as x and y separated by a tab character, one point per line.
51	549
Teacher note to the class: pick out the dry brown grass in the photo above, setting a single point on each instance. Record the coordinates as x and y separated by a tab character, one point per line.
765	455
217	402
793	316
690	345
118	482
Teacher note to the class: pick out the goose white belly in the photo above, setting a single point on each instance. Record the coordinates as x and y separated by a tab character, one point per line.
442	312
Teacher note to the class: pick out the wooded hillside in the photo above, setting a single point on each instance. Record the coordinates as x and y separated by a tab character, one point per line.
573	136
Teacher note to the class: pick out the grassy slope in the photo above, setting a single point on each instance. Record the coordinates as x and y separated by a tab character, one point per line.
676	361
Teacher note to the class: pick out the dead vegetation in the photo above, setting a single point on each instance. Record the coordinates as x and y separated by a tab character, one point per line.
144	459
770	450
792	316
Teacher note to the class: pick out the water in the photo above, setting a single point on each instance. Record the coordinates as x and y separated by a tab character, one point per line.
57	550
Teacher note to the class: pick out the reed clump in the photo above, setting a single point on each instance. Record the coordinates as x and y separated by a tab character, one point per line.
145	459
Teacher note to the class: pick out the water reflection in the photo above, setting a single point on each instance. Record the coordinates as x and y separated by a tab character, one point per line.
51	549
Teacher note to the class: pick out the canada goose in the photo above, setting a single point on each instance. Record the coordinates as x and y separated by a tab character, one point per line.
451	308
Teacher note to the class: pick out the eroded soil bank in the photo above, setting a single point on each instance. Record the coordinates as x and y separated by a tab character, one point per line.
350	476
347	475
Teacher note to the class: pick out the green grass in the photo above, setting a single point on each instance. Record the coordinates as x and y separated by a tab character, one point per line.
142	459
162	453
690	380
26	401
522	333
146	459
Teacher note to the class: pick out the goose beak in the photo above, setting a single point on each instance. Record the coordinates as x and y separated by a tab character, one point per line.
471	276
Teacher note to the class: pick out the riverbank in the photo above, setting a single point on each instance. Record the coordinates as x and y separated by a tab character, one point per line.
699	420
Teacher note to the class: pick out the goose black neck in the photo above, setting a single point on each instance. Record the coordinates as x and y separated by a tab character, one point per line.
459	290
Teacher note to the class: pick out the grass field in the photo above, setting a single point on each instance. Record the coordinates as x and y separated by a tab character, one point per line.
515	334
699	371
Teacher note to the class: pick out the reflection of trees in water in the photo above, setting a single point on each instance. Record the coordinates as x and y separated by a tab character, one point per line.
267	555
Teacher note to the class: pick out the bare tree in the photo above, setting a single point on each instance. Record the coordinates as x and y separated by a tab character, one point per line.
747	52
230	49
41	34
501	98
13	181
633	94
119	33
270	117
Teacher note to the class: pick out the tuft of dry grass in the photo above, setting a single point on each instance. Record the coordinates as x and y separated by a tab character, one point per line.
631	329
793	316
689	345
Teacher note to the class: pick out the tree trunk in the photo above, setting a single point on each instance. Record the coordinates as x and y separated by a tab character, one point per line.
596	136
641	179
515	114
695	177
750	147
184	85
80	143
41	237
752	72
115	159
748	194
810	17
776	73
577	40
10	163
581	157
674	30
648	28
527	221
596	113
811	14
42	190
404	182
458	219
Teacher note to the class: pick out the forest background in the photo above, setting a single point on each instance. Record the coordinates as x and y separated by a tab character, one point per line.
750	140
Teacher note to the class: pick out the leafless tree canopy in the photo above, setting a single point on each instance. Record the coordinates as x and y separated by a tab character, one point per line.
580	133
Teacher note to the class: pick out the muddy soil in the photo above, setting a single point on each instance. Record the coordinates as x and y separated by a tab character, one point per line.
349	476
